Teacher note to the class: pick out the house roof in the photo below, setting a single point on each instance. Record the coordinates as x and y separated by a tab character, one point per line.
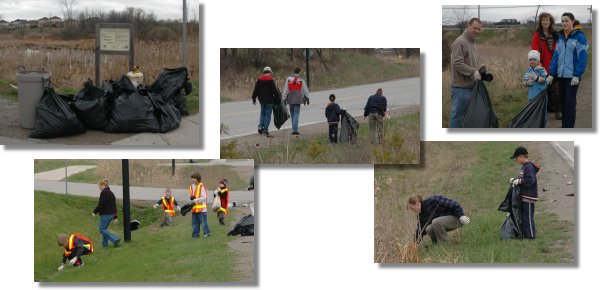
3	21
43	18
55	17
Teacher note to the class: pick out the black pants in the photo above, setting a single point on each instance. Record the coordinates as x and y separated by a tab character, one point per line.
528	226
333	132
553	98
568	101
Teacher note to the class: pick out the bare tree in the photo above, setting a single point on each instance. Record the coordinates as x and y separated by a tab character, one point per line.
66	6
458	17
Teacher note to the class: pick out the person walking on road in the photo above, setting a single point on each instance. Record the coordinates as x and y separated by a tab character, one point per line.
295	93
544	41
198	197
437	216
107	209
267	93
169	205
74	246
568	65
375	110
527	183
463	71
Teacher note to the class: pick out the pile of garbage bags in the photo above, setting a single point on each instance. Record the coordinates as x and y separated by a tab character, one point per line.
479	112
116	107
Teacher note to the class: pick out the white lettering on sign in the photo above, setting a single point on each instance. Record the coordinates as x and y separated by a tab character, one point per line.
114	39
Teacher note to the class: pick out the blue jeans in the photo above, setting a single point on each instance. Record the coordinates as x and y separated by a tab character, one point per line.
197	219
568	101
265	117
107	236
295	112
460	99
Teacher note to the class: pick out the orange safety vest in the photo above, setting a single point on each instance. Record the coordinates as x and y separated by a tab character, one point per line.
295	85
198	206
169	207
87	244
225	202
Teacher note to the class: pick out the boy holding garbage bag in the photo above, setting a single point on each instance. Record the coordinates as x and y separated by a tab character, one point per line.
527	182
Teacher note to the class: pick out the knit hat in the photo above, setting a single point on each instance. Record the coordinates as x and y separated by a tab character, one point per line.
533	54
267	69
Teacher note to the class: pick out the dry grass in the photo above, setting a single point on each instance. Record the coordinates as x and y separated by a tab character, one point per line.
72	62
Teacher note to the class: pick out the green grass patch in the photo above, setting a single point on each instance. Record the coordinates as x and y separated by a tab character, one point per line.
401	145
193	99
154	254
476	175
6	91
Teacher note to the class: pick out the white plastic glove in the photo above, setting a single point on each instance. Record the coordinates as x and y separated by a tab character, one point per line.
115	221
61	267
511	180
73	261
549	80
530	82
199	200
575	81
178	208
516	181
477	76
93	214
155	205
464	219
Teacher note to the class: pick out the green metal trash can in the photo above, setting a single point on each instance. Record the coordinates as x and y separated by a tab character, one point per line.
31	85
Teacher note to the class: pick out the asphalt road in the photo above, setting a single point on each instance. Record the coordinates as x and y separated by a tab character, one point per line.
137	193
241	118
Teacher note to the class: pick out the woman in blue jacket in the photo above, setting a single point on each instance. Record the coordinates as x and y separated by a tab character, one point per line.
568	65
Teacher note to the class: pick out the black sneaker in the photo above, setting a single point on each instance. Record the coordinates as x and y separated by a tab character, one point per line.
117	242
260	130
268	135
295	133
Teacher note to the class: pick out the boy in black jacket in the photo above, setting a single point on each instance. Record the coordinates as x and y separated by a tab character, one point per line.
332	113
527	182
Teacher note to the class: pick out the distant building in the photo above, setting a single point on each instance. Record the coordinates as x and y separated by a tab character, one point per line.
56	21
31	24
4	24
45	21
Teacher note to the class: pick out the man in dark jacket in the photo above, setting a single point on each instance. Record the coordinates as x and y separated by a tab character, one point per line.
332	113
527	183
437	216
107	208
376	109
267	93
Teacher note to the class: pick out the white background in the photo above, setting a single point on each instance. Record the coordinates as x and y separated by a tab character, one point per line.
315	223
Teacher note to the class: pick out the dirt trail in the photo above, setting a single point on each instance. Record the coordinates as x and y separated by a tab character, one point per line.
244	248
555	200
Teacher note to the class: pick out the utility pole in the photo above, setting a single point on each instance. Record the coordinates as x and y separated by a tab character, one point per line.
184	56
479	12
173	167
307	54
126	203
66	178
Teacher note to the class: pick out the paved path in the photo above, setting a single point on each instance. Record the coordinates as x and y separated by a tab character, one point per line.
242	117
135	192
59	174
187	134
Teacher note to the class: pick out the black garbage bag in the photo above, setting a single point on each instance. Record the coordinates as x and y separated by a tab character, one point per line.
54	117
479	112
92	107
349	127
533	115
133	112
511	228
134	224
244	227
173	86
168	116
280	113
186	208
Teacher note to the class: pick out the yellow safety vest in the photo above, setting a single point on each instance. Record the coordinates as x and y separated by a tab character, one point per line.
198	206
168	207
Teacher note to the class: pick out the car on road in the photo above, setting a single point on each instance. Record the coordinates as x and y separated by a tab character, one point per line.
506	23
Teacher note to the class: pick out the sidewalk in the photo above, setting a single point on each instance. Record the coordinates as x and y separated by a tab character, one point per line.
59	174
188	134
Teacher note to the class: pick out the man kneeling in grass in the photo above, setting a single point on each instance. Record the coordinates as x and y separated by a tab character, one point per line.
437	216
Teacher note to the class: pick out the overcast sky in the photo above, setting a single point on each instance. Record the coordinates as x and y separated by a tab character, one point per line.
496	13
36	9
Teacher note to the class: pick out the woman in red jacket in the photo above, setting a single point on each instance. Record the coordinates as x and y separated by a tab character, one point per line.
544	40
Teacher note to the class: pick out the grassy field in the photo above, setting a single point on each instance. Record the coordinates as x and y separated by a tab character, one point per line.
400	146
475	174
504	53
346	68
72	62
154	254
148	173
